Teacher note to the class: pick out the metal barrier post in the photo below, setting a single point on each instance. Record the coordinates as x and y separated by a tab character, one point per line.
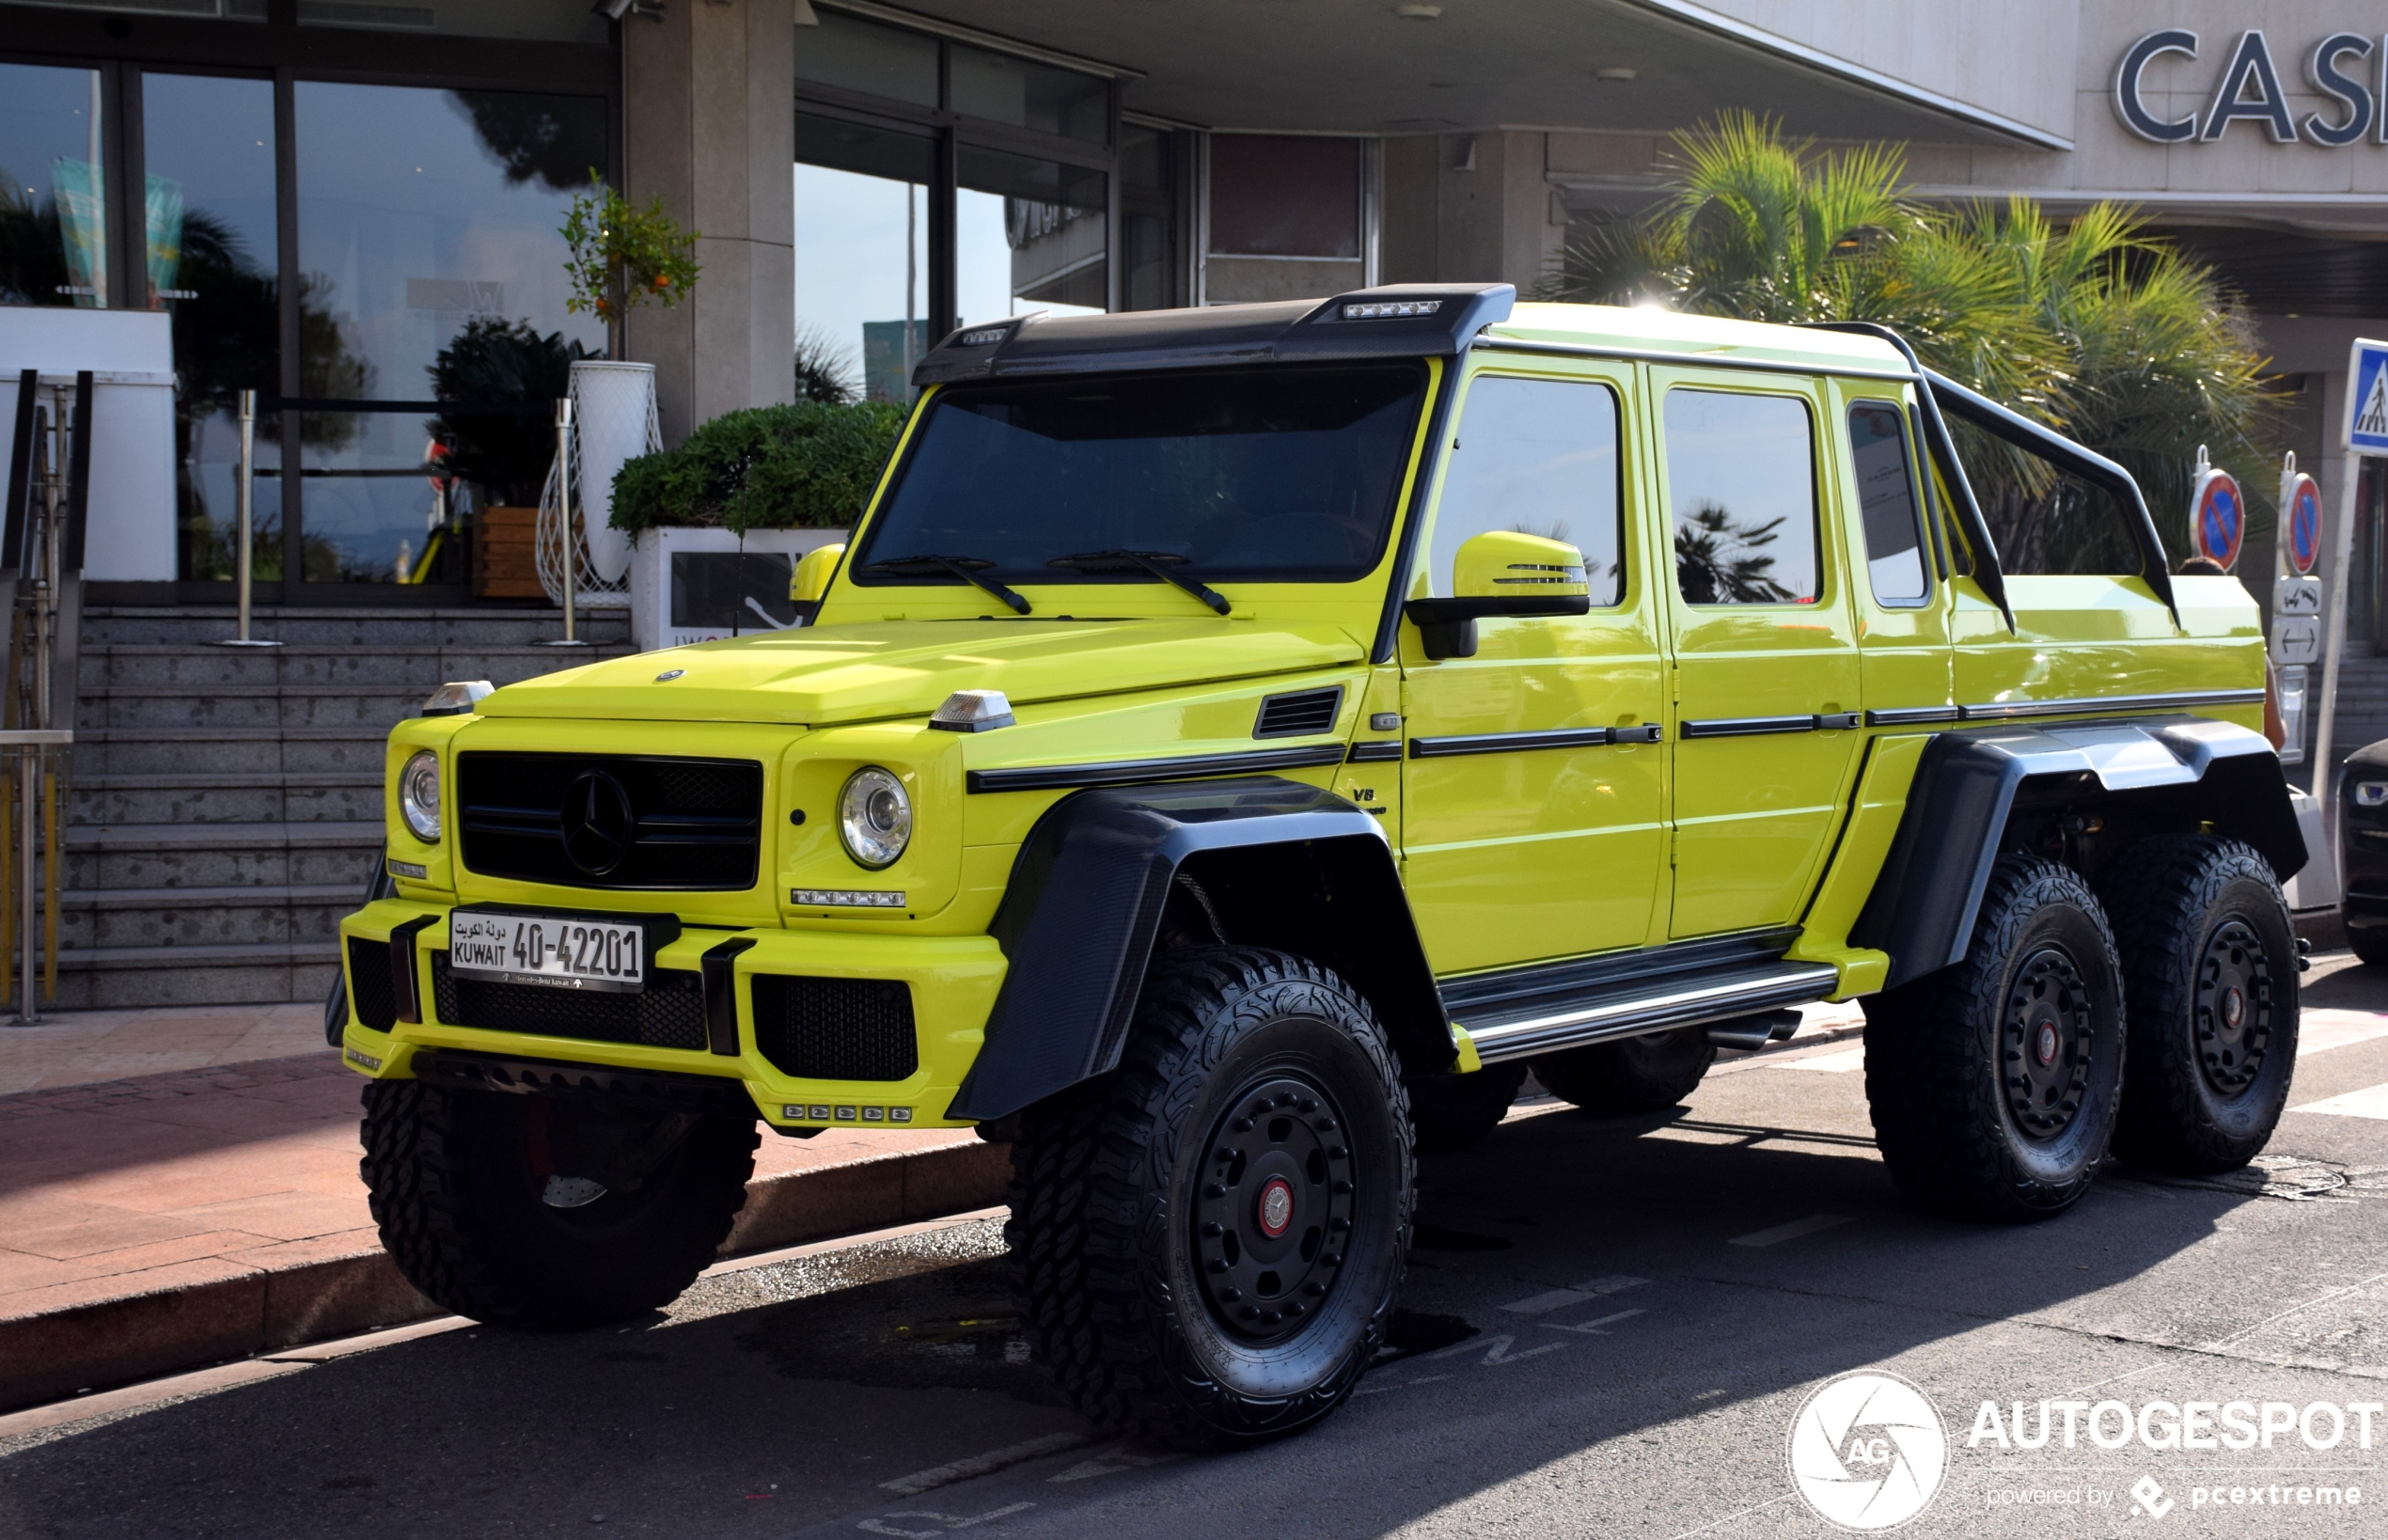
564	506
245	502
29	749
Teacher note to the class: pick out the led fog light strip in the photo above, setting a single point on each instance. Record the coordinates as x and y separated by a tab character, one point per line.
844	898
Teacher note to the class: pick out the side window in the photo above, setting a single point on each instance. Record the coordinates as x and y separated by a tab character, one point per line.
1741	477
1538	457
1886	498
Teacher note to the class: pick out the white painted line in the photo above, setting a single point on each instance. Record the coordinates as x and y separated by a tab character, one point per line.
1614	1284
2370	1102
1793	1231
1841	1063
1542	1303
2318	1031
979	1465
1592	1329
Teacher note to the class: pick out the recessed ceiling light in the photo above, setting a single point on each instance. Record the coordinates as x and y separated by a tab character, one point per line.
1419	13
1619	73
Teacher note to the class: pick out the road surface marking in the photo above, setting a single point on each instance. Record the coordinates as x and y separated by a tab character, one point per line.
1592	1328
1793	1231
1839	1062
2370	1102
2320	1031
1615	1284
979	1465
1496	1349
950	1521
1542	1303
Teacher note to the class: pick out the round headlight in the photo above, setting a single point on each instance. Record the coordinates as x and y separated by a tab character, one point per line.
874	817
418	796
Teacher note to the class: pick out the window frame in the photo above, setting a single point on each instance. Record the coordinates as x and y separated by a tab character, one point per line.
1824	595
1925	552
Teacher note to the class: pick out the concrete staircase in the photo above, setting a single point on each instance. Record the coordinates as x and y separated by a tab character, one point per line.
227	802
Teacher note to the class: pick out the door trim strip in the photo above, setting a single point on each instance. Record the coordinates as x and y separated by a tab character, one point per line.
1994	711
1748	726
1502	743
1909	715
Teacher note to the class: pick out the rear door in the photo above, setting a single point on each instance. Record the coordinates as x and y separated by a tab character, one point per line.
1531	808
1764	634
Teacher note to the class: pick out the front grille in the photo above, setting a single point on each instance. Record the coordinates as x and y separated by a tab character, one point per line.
368	983
836	1029
695	825
1299	716
670	1013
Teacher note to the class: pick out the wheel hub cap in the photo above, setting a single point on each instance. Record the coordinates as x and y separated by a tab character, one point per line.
2231	1016
2045	1043
1272	1210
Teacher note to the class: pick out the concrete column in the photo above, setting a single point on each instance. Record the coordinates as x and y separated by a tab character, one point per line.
710	128
1468	208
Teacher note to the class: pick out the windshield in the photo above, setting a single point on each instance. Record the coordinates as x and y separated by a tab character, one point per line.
1281	474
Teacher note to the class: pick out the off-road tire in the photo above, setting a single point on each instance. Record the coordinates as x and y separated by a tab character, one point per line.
449	1176
1944	1081
1451	1112
2202	926
1111	1182
1643	1074
2370	947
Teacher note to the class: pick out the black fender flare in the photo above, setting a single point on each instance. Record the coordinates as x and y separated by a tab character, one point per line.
1079	917
1926	898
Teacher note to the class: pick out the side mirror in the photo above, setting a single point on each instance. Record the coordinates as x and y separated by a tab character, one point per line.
810	580
1496	573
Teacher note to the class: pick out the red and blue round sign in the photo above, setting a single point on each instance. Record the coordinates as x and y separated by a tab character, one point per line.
2305	523
2218	518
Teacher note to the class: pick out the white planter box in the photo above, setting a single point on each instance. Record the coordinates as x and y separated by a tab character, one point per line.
699	585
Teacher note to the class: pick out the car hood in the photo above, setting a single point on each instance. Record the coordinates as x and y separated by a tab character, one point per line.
820	676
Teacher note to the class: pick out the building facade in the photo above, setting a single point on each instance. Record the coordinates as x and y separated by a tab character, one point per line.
332	199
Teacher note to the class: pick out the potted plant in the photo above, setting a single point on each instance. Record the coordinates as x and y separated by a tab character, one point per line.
721	519
622	257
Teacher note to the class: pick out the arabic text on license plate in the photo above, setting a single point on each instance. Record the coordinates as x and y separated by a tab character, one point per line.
548	949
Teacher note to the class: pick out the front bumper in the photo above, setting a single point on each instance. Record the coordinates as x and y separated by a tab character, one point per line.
952	982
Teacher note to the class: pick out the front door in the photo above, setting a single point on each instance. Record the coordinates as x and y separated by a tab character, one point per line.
1531	800
1766	658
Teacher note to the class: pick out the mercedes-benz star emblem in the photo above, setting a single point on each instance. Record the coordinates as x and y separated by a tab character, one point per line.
598	824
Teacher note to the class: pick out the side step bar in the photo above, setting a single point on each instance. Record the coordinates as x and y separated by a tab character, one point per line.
1678	1002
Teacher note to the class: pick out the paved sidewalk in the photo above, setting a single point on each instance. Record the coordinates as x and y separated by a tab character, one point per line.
159	1221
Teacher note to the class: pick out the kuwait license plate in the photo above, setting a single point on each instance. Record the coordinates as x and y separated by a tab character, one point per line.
553	949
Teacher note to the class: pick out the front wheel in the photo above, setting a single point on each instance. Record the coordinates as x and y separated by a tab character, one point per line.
1210	1238
2210	955
1993	1083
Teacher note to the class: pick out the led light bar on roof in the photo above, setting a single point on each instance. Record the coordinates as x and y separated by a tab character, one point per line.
983	338
1387	310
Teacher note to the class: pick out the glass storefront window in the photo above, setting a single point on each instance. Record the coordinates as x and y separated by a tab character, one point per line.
419	210
54	235
225	10
210	245
1284	217
1025	94
858	55
371	512
1148	218
863	265
1029	236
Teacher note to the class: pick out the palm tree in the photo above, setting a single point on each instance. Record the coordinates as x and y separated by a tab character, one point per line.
2094	327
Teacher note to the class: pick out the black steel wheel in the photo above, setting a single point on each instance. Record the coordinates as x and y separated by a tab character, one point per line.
1994	1083
1642	1074
2209	959
1210	1238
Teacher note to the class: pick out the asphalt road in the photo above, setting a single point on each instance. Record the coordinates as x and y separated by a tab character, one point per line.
1611	1328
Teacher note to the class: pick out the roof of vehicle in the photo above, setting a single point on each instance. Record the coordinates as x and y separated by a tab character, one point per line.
1393	320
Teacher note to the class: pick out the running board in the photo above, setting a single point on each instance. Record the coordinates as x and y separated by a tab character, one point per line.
1721	996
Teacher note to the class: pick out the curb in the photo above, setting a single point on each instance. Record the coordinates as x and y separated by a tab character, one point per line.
58	1354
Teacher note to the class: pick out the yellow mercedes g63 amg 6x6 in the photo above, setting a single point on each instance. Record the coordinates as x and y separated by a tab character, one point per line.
1236	742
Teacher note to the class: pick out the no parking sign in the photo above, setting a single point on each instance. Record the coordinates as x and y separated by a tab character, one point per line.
2218	517
2304	523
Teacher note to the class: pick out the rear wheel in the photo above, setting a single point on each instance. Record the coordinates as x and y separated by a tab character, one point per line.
1453	1110
1210	1237
1994	1082
456	1180
1630	1075
2210	958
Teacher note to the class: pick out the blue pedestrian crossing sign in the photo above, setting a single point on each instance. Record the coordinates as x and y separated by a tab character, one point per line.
2367	398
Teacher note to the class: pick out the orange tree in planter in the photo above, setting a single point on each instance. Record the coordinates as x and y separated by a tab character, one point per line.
623	257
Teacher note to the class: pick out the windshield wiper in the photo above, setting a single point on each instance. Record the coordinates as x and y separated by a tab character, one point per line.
1155	562
964	567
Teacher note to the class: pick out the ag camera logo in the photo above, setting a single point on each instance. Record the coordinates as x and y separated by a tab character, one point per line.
1868	1452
